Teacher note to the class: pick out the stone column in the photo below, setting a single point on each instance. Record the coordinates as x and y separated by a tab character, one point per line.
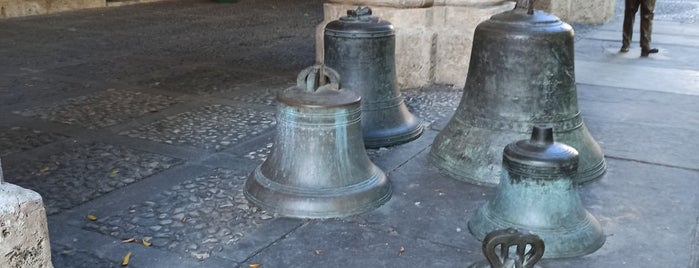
576	11
24	234
433	37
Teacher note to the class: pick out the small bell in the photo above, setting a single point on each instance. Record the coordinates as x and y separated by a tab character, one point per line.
318	167
536	193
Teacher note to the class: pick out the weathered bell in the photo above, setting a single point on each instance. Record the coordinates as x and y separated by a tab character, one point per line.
521	73
537	193
361	48
318	167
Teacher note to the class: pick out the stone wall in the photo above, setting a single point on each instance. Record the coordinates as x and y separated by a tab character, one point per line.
576	11
19	8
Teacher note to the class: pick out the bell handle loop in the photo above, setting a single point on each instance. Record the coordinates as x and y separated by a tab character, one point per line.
528	4
504	239
317	76
361	11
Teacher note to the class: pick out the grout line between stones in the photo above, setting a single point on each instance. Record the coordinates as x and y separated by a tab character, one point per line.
650	163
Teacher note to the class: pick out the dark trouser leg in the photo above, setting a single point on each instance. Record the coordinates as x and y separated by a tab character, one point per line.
630	10
647	8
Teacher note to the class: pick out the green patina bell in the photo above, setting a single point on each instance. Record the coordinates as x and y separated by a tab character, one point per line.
521	73
537	193
318	167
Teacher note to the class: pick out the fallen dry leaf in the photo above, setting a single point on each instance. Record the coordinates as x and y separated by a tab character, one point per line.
184	219
130	240
255	265
317	251
44	170
91	217
146	243
114	172
126	259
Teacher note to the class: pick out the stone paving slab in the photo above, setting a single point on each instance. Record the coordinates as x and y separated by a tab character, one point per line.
659	26
648	213
122	69
63	256
618	124
18	139
200	217
102	109
428	205
670	56
624	75
212	127
294	54
35	58
266	96
207	80
288	11
658	38
78	245
682	11
35	89
79	173
336	243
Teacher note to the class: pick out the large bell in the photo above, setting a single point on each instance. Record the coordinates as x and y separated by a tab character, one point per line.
537	193
318	167
521	73
361	48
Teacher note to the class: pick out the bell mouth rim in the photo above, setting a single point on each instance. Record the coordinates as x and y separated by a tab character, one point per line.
589	224
377	182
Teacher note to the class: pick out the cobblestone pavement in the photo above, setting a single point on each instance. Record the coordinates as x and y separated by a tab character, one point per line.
150	117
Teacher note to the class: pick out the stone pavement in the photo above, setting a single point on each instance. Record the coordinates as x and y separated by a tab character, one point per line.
149	117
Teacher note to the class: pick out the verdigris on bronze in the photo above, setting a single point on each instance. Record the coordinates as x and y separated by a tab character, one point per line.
511	248
318	167
521	73
361	47
536	193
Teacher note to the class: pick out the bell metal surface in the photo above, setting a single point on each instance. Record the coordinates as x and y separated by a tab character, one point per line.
521	73
536	193
318	167
361	48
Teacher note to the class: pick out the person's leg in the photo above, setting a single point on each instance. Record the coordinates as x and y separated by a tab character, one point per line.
630	9
647	8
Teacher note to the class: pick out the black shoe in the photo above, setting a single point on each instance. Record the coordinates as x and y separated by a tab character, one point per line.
646	52
624	49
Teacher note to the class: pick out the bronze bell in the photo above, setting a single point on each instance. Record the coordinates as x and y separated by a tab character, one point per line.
536	193
318	167
521	73
361	48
